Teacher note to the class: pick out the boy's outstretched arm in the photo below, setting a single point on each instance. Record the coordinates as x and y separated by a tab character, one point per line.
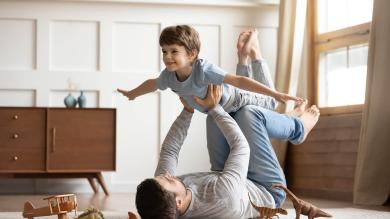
147	86
249	84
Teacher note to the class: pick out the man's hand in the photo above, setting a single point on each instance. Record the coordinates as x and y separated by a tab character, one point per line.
129	94
283	98
187	107
214	93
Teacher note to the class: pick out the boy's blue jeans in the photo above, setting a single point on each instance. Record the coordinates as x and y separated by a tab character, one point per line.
258	125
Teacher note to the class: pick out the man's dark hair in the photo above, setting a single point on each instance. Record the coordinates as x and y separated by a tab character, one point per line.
153	201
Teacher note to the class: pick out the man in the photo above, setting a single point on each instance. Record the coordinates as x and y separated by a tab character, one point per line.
222	193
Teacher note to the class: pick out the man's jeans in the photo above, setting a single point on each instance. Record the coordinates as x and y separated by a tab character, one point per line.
258	125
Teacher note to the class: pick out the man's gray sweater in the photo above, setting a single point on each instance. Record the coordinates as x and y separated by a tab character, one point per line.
216	194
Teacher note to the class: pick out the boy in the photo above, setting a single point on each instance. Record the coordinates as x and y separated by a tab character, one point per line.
189	76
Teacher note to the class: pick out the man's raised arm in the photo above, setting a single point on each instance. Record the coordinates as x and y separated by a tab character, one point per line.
236	166
171	146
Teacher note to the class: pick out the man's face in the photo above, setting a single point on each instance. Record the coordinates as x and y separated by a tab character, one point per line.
171	184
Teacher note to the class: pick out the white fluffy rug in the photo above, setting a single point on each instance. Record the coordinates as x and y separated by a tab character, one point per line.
346	213
338	213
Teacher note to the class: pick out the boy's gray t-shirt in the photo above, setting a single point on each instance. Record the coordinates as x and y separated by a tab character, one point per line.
216	194
203	74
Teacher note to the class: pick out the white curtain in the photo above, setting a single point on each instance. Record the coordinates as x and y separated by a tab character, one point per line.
372	177
292	20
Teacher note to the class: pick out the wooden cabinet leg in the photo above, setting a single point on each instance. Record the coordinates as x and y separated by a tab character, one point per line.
93	184
100	180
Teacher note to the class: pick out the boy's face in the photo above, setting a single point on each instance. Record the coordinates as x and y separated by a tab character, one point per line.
176	58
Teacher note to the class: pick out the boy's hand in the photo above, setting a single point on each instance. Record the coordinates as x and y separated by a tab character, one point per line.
187	107
283	98
127	94
214	93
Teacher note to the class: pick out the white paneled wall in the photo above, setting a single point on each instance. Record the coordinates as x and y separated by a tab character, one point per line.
127	56
18	36
98	46
76	37
17	97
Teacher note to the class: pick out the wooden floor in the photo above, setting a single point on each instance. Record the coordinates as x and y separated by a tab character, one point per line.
123	202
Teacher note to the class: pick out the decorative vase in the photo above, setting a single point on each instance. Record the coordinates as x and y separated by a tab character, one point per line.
82	100
70	101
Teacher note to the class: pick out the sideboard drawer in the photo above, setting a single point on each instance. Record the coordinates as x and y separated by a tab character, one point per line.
26	160
16	116
22	127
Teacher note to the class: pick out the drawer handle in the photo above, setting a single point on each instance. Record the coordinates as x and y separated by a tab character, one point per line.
15	136
15	117
16	158
53	144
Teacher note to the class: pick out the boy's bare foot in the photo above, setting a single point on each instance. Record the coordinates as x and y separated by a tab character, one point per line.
299	109
242	39
310	118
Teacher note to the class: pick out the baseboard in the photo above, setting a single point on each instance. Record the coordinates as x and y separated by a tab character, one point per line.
326	194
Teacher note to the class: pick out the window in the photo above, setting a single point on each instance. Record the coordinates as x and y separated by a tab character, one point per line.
340	49
342	76
338	14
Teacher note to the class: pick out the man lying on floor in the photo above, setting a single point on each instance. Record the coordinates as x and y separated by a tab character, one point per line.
242	161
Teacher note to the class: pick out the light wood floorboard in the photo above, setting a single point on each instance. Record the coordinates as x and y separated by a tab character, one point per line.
123	202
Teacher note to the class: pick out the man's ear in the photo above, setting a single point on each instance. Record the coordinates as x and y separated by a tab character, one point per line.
179	202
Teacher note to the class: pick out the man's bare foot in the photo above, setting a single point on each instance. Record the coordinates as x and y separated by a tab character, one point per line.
299	109
248	45
310	118
242	39
255	53
251	48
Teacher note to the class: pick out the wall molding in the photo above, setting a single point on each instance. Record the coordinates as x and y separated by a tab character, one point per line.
228	3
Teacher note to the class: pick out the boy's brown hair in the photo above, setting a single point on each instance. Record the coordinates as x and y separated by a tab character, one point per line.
182	35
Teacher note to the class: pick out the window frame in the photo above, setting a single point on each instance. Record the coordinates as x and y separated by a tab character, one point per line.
318	43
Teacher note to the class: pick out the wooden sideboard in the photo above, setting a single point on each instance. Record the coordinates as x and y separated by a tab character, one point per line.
58	142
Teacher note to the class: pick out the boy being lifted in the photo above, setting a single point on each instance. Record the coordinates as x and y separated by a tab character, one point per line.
188	76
